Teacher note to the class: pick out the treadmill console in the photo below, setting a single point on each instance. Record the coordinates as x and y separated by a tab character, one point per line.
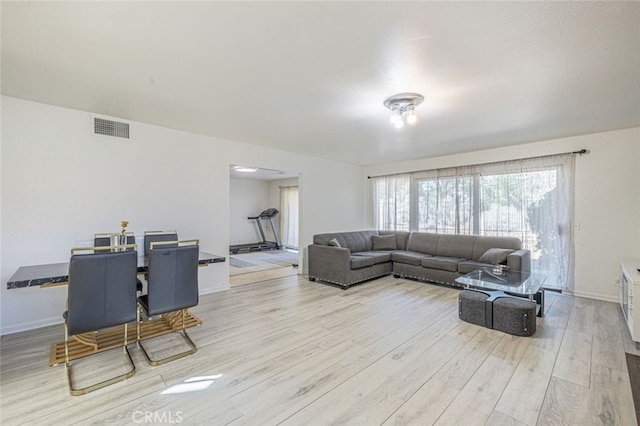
268	213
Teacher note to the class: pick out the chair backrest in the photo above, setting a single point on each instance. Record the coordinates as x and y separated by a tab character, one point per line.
104	239
101	291
173	278
155	236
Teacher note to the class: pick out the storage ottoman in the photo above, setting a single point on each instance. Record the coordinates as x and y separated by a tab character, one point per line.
514	315
474	306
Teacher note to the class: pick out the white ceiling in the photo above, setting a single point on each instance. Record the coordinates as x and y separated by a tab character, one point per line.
311	77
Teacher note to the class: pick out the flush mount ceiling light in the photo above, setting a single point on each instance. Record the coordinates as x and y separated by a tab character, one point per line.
403	107
245	169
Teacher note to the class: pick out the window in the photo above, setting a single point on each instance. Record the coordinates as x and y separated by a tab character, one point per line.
445	206
289	216
530	199
392	203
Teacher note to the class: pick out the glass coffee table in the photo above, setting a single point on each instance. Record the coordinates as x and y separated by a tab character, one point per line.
513	283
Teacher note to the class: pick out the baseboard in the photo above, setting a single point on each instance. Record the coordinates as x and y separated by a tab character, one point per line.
31	325
595	296
213	290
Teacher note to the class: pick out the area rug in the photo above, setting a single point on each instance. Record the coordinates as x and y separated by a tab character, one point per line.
239	263
633	364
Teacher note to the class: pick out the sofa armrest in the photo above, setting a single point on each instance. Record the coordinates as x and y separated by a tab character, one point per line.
329	263
519	260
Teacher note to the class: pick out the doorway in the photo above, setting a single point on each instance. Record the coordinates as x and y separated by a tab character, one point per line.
262	246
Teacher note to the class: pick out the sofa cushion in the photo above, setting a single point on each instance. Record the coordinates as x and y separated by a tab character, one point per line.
495	256
483	244
442	263
358	262
401	238
384	242
471	265
334	243
408	257
378	256
358	241
355	241
456	246
423	242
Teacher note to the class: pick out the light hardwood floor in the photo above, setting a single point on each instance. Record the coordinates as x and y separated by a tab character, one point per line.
390	352
262	266
261	276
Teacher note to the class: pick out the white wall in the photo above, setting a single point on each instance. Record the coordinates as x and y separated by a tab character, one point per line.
61	184
607	199
274	190
247	199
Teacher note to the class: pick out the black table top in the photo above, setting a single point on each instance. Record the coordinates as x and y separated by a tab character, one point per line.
58	273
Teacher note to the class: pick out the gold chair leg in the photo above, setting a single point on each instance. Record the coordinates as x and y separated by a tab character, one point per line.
138	325
193	348
91	388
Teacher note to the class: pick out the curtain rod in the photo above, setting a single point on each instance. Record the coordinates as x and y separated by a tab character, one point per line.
580	152
287	186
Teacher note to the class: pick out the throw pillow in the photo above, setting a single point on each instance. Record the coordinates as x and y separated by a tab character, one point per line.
384	242
495	256
334	243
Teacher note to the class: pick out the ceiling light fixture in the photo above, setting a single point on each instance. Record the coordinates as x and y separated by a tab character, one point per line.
245	169
403	107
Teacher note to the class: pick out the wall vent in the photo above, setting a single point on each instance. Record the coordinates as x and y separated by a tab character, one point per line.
110	128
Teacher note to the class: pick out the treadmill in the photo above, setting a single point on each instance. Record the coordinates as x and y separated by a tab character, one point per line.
268	215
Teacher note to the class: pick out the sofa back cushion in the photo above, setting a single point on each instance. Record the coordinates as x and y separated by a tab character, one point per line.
384	242
401	238
356	241
483	244
423	242
456	246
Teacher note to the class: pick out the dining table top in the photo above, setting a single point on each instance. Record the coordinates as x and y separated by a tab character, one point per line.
54	274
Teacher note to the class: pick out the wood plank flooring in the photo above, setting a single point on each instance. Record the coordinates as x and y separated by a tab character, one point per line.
259	276
387	352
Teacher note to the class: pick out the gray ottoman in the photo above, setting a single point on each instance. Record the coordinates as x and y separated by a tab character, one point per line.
514	315
474	306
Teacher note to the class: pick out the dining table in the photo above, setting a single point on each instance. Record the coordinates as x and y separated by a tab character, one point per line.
55	274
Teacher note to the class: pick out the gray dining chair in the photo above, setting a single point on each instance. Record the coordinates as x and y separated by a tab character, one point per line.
101	294
157	236
172	288
104	240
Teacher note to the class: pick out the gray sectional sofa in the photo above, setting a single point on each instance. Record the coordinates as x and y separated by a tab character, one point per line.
347	258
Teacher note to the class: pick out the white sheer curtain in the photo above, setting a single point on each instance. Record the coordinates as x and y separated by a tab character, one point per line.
531	199
289	216
391	202
445	200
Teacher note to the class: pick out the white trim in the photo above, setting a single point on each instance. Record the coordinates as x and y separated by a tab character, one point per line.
31	325
596	296
213	290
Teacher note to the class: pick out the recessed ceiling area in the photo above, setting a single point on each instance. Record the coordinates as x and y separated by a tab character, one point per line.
259	174
311	77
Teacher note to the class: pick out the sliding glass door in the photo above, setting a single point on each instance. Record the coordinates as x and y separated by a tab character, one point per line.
530	199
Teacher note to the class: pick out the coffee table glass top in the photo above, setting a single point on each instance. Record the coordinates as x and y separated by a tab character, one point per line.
516	282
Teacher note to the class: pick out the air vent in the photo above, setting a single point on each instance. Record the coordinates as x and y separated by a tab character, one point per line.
110	128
